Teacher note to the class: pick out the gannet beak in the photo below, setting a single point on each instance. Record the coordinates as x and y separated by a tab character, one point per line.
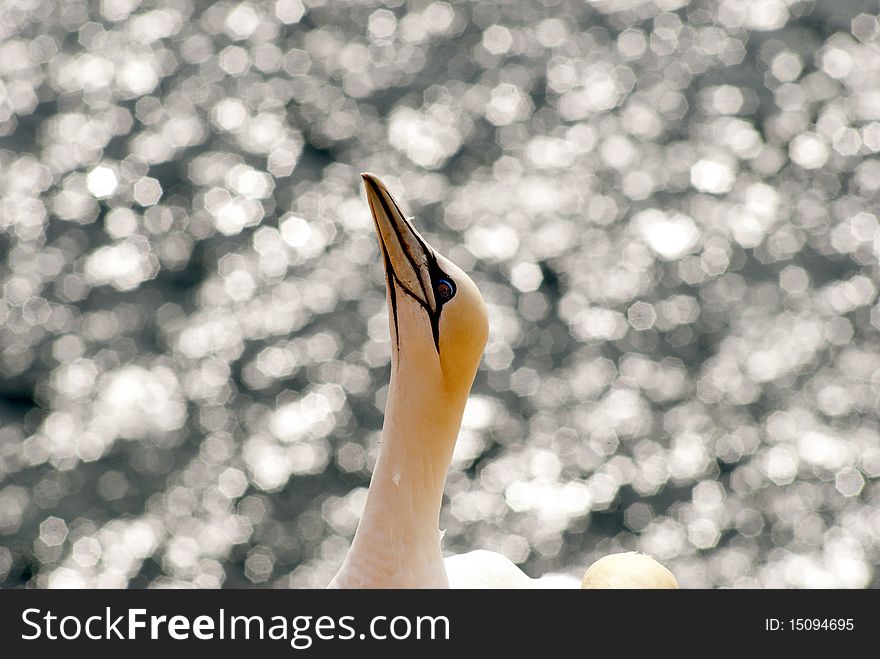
407	256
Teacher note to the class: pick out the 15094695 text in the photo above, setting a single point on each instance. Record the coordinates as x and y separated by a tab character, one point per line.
821	624
809	624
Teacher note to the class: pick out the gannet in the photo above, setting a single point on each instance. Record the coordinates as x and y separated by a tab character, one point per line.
439	327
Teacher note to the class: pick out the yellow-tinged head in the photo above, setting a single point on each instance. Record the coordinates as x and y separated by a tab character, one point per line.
628	570
438	319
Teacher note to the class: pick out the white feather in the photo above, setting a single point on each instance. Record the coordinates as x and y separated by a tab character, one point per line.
487	569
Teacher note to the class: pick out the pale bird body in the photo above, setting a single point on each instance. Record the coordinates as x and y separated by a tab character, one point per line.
439	328
628	570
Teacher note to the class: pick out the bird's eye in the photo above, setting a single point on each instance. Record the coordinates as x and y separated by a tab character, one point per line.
445	289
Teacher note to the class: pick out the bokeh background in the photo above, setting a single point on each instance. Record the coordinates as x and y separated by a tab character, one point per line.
669	206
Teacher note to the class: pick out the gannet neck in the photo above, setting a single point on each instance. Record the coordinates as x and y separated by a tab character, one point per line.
397	543
439	326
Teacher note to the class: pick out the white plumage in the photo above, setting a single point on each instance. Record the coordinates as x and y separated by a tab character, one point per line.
487	569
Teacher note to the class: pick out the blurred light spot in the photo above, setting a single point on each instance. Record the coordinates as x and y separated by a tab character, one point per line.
137	76
846	141
351	457
641	316
242	21
766	15
312	416
508	104
147	191
725	99
439	17
140	402
120	222
5	562
234	60
14	501
102	182
670	236
259	564
300	235
113	485
638	516
712	176
526	276
124	265
497	39
663	538
428	139
382	24
499	242
808	150
781	465
53	531
289	11
632	43
552	32
250	182
598	323
786	66
836	62
794	280
849	482
703	533
229	114
233	483
834	400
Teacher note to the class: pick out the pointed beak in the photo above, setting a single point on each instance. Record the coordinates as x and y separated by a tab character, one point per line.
406	254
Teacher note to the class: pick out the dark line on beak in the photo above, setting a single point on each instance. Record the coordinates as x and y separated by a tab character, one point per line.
392	278
391	275
433	316
428	251
392	293
409	257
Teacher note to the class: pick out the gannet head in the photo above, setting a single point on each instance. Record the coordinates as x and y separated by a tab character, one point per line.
628	570
437	316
